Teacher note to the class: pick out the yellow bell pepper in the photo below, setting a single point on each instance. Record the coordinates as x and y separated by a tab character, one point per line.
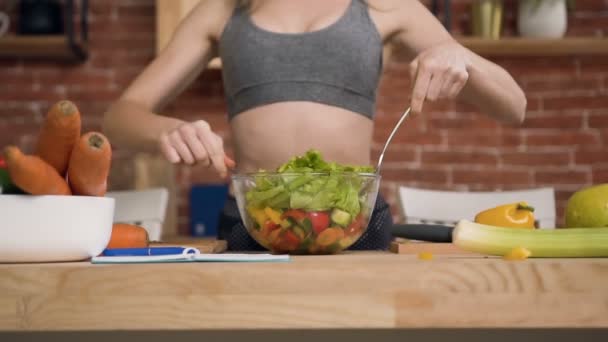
518	253
425	256
258	215
273	215
515	215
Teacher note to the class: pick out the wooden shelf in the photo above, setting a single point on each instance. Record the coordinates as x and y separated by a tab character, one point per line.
523	47
48	47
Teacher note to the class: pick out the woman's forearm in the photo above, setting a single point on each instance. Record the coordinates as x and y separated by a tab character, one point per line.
494	91
466	76
130	126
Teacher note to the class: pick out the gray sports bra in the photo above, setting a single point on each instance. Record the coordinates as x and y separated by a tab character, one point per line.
339	65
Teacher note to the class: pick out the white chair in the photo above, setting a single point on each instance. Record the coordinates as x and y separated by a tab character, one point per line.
146	208
448	207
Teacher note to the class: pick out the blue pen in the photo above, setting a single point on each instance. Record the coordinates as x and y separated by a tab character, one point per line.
149	251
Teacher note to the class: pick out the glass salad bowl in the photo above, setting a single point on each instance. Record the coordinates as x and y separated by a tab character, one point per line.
306	212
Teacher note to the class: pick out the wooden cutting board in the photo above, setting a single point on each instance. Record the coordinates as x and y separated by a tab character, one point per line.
415	247
397	247
204	245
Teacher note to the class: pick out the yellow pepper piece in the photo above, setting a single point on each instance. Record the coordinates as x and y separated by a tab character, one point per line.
425	256
515	215
273	215
258	215
518	253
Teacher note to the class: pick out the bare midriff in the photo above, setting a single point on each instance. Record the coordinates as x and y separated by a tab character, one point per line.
269	135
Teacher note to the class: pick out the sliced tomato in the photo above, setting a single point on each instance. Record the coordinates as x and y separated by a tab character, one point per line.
287	242
319	220
273	237
355	226
295	214
268	228
271	225
291	238
2	163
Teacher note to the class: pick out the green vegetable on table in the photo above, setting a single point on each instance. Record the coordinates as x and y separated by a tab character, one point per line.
542	243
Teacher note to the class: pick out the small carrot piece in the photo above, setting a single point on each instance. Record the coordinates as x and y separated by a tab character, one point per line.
33	175
330	236
58	135
90	165
128	236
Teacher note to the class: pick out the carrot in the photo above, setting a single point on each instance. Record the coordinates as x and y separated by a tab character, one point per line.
90	165
33	175
128	236
58	135
329	236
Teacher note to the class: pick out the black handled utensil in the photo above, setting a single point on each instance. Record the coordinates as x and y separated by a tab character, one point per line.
424	232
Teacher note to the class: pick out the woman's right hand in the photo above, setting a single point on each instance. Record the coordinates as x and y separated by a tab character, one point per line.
195	142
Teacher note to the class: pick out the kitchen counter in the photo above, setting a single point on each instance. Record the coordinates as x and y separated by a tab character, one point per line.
352	290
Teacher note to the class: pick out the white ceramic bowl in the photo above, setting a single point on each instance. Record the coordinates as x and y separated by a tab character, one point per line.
54	228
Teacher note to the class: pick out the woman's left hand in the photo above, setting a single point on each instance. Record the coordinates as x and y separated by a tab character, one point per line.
439	72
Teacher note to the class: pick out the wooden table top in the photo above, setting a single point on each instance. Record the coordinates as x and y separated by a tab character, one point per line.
351	290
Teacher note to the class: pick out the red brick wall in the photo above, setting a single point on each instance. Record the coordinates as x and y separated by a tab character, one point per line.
562	143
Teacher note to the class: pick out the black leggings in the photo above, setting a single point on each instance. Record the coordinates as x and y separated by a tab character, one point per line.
376	237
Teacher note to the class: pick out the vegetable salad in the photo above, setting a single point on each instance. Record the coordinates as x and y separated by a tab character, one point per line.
310	205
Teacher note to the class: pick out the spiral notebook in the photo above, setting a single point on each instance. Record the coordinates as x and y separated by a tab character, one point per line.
178	254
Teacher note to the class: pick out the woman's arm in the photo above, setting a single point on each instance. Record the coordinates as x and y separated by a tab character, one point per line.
133	121
442	68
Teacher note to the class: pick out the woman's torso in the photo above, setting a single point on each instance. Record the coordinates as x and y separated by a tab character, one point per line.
267	135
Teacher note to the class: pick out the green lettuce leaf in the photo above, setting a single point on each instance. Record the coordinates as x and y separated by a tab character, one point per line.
298	188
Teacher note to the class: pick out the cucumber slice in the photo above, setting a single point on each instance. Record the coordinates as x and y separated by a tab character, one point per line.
306	225
340	217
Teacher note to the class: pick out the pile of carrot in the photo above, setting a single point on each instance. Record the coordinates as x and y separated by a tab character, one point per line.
67	162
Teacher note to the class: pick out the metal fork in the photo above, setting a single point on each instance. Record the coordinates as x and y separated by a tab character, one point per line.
390	137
